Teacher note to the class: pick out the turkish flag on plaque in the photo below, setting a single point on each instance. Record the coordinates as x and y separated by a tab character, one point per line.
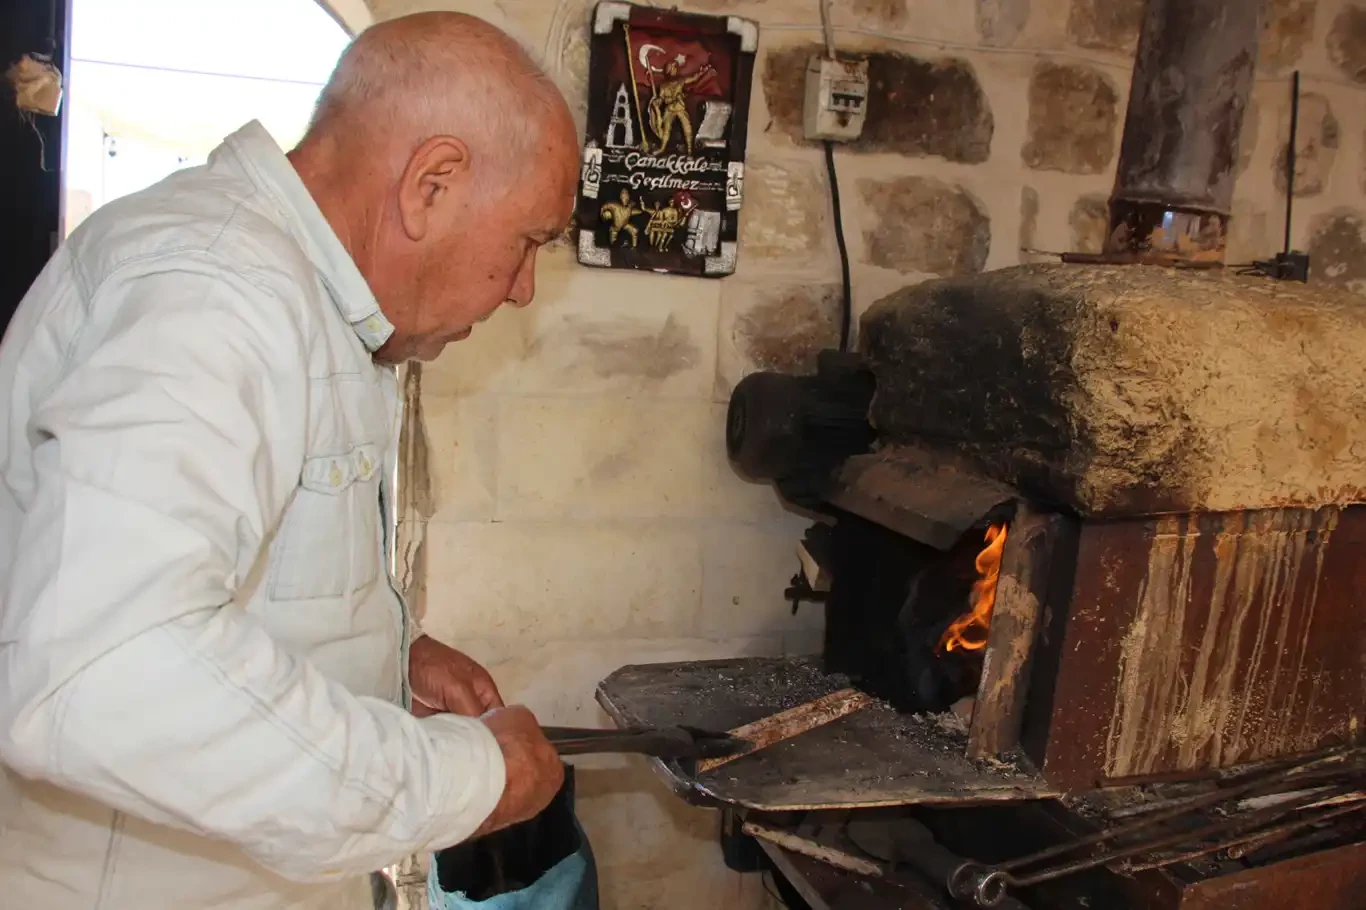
661	59
663	168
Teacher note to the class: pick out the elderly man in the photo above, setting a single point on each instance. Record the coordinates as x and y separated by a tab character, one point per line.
203	662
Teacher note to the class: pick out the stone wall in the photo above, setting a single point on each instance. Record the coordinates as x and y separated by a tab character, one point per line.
583	514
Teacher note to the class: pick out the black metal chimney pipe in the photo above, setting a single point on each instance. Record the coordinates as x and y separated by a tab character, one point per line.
1192	76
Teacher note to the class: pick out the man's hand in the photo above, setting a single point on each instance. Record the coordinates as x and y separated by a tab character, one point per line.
445	681
534	769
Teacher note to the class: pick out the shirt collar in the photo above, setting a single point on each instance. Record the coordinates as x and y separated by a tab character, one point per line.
270	171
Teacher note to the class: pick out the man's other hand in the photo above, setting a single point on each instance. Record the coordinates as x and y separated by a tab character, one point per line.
445	681
534	770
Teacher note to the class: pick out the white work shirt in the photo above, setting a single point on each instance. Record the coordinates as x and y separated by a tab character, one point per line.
202	657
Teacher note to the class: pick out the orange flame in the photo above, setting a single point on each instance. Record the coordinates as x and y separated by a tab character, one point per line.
969	631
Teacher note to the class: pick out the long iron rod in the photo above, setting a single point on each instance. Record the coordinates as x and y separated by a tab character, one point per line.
1252	837
1171	840
1301	773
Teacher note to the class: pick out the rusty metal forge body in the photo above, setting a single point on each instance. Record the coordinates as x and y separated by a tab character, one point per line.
1185	644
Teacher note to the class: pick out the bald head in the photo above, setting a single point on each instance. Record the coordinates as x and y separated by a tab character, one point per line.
407	79
443	158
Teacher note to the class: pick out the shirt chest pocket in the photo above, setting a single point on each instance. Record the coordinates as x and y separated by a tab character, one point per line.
329	542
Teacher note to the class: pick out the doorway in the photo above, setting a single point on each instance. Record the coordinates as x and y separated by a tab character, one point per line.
155	85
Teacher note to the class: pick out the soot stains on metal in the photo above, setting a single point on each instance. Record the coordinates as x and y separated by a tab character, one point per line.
1179	156
873	757
1208	641
1211	715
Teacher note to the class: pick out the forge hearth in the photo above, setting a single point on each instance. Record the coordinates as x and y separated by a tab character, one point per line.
1186	444
1175	456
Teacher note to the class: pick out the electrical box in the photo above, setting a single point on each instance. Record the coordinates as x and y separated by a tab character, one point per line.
836	99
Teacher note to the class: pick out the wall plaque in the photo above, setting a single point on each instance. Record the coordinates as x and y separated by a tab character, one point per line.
663	172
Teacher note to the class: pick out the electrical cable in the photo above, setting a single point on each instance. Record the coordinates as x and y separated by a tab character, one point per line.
846	300
1290	156
827	29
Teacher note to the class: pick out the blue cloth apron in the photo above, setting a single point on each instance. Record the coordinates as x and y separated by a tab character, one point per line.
542	864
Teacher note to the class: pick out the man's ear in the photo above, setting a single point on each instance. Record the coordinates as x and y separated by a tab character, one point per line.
436	173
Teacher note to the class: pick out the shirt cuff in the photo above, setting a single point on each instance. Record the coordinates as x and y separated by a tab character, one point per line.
474	766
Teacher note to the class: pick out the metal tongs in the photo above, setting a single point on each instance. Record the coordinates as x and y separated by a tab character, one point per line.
657	742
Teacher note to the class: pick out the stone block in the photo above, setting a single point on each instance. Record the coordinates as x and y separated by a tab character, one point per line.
1288	26
774	325
924	107
1111	25
785	212
1089	221
617	333
1347	42
999	22
1073	115
546	581
1251	233
600	458
462	459
745	569
1132	390
1316	146
916	107
920	224
1337	250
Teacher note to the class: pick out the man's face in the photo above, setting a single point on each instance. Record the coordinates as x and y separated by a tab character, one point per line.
478	252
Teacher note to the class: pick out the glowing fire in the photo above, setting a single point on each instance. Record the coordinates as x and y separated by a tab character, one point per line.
969	631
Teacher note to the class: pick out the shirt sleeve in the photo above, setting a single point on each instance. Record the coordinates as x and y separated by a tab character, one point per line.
163	461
